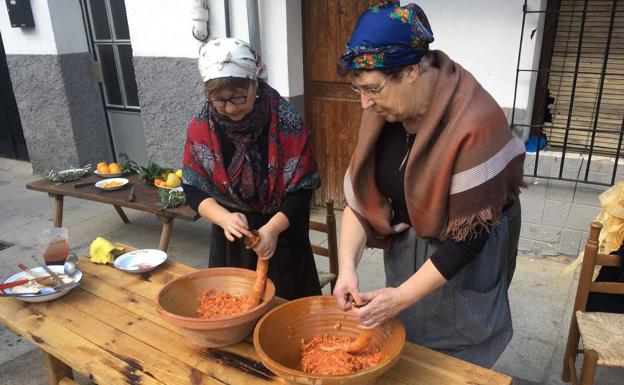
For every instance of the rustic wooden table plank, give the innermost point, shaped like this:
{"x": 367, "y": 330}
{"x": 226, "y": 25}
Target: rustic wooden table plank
{"x": 66, "y": 344}
{"x": 116, "y": 335}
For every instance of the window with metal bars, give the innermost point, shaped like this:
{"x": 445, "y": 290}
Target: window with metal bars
{"x": 579, "y": 93}
{"x": 111, "y": 40}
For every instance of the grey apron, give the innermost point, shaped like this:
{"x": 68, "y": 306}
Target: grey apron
{"x": 469, "y": 317}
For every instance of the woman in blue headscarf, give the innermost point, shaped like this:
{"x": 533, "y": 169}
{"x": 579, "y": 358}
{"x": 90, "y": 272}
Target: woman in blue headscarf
{"x": 434, "y": 181}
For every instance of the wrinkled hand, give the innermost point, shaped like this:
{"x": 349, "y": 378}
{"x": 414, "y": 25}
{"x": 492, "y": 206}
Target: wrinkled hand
{"x": 383, "y": 304}
{"x": 346, "y": 289}
{"x": 235, "y": 226}
{"x": 268, "y": 242}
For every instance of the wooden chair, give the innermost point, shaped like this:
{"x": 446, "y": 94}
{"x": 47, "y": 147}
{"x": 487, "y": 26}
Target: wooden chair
{"x": 331, "y": 251}
{"x": 602, "y": 333}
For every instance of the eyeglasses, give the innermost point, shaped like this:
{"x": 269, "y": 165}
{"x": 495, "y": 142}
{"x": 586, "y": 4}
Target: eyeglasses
{"x": 236, "y": 100}
{"x": 372, "y": 91}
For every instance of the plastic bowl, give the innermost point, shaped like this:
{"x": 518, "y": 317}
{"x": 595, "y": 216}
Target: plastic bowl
{"x": 277, "y": 340}
{"x": 176, "y": 303}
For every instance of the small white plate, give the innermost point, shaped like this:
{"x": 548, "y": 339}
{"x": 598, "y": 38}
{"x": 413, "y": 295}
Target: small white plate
{"x": 103, "y": 182}
{"x": 140, "y": 261}
{"x": 46, "y": 294}
{"x": 96, "y": 172}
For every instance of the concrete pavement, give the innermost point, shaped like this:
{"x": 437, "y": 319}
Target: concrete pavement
{"x": 541, "y": 296}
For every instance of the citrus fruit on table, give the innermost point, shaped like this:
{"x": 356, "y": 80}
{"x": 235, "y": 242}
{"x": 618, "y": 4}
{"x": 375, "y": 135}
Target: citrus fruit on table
{"x": 114, "y": 168}
{"x": 173, "y": 180}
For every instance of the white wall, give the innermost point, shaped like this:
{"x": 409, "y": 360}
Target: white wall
{"x": 484, "y": 36}
{"x": 165, "y": 31}
{"x": 32, "y": 41}
{"x": 59, "y": 29}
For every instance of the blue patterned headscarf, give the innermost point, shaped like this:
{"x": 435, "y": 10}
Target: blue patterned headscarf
{"x": 388, "y": 36}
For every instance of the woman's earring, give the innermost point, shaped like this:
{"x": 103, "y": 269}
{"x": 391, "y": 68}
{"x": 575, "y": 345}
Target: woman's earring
{"x": 257, "y": 96}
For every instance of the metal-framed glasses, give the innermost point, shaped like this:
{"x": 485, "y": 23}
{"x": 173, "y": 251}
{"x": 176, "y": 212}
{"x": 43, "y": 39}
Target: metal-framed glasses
{"x": 236, "y": 100}
{"x": 372, "y": 91}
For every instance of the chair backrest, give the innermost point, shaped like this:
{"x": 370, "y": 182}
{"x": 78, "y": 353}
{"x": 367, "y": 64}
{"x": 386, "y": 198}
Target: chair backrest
{"x": 591, "y": 259}
{"x": 329, "y": 228}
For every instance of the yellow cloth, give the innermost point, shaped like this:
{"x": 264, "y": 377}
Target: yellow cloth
{"x": 102, "y": 251}
{"x": 612, "y": 218}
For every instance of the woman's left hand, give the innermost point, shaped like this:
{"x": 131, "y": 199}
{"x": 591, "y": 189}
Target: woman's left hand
{"x": 383, "y": 304}
{"x": 268, "y": 242}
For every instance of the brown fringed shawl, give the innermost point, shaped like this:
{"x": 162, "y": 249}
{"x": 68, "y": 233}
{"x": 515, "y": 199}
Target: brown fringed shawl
{"x": 463, "y": 168}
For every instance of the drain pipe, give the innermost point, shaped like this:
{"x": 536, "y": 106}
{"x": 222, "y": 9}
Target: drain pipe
{"x": 200, "y": 15}
{"x": 226, "y": 9}
{"x": 253, "y": 24}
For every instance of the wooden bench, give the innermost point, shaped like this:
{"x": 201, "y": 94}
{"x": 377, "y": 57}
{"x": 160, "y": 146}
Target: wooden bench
{"x": 145, "y": 199}
{"x": 108, "y": 330}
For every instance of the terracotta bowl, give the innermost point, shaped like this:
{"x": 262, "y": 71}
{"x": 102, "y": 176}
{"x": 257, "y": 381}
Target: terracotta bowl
{"x": 176, "y": 303}
{"x": 277, "y": 339}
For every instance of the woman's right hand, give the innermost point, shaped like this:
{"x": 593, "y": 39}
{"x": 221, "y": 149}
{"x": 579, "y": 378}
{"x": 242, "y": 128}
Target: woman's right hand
{"x": 346, "y": 289}
{"x": 235, "y": 226}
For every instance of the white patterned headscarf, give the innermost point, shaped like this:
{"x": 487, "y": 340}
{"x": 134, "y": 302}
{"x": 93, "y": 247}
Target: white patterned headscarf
{"x": 229, "y": 57}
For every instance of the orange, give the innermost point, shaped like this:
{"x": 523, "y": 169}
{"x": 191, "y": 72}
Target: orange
{"x": 158, "y": 182}
{"x": 104, "y": 170}
{"x": 102, "y": 166}
{"x": 114, "y": 168}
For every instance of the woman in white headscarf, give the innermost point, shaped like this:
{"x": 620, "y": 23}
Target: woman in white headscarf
{"x": 248, "y": 164}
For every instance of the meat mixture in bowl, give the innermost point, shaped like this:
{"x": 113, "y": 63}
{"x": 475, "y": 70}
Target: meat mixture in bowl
{"x": 325, "y": 355}
{"x": 213, "y": 305}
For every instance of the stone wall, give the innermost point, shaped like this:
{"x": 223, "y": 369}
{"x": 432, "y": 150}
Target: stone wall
{"x": 60, "y": 109}
{"x": 556, "y": 214}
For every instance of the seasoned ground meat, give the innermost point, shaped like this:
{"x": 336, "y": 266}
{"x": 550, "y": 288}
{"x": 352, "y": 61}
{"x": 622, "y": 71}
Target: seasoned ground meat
{"x": 335, "y": 362}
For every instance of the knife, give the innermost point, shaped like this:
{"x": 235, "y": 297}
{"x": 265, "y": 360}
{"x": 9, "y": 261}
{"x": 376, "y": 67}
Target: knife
{"x": 14, "y": 283}
{"x": 54, "y": 276}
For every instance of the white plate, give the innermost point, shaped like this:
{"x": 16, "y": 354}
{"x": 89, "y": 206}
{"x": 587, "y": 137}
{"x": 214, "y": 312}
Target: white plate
{"x": 46, "y": 294}
{"x": 96, "y": 172}
{"x": 104, "y": 181}
{"x": 140, "y": 261}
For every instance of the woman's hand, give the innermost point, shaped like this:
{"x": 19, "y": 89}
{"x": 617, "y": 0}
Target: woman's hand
{"x": 346, "y": 289}
{"x": 235, "y": 226}
{"x": 268, "y": 242}
{"x": 382, "y": 305}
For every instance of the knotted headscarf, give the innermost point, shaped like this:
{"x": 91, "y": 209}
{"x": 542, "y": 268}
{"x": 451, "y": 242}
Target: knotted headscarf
{"x": 388, "y": 36}
{"x": 229, "y": 57}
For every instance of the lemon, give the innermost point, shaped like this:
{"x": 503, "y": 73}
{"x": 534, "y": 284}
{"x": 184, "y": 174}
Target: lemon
{"x": 173, "y": 180}
{"x": 179, "y": 173}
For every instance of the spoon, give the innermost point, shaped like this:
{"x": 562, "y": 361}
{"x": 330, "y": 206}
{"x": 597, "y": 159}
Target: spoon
{"x": 69, "y": 267}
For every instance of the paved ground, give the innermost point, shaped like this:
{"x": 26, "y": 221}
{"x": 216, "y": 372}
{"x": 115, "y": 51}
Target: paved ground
{"x": 541, "y": 296}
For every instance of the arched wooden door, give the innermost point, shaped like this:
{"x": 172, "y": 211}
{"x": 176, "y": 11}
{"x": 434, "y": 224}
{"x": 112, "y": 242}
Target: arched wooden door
{"x": 333, "y": 110}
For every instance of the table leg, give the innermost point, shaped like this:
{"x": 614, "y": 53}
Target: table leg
{"x": 56, "y": 369}
{"x": 121, "y": 213}
{"x": 166, "y": 233}
{"x": 58, "y": 210}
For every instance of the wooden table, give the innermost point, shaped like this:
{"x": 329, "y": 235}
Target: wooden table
{"x": 108, "y": 329}
{"x": 146, "y": 200}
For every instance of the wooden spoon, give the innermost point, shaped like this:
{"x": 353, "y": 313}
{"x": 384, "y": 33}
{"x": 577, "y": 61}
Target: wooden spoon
{"x": 358, "y": 345}
{"x": 262, "y": 267}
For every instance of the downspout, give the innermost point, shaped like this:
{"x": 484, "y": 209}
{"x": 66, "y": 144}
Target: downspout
{"x": 226, "y": 8}
{"x": 200, "y": 15}
{"x": 253, "y": 24}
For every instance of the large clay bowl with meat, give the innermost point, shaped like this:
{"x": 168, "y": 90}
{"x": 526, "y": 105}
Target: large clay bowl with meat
{"x": 176, "y": 303}
{"x": 277, "y": 340}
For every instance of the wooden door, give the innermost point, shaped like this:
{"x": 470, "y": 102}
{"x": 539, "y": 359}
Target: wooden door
{"x": 333, "y": 110}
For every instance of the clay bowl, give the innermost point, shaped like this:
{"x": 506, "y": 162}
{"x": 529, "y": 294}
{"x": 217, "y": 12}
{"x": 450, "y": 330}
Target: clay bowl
{"x": 176, "y": 303}
{"x": 277, "y": 339}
